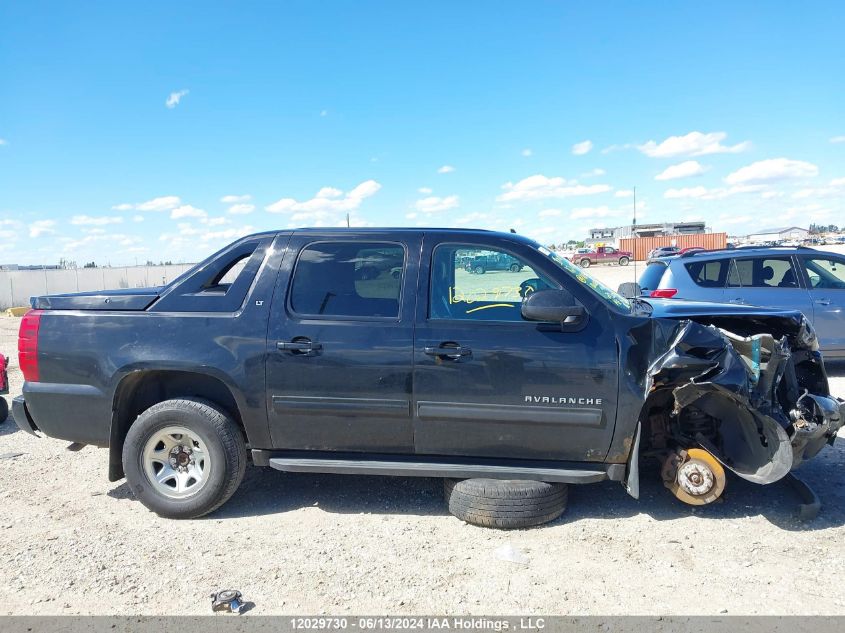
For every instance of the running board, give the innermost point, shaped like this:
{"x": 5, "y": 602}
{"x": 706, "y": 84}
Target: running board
{"x": 439, "y": 468}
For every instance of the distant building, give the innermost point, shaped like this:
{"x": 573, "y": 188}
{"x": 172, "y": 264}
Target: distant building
{"x": 612, "y": 234}
{"x": 14, "y": 267}
{"x": 783, "y": 233}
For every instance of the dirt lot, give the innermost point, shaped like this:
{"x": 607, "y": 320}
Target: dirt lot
{"x": 71, "y": 542}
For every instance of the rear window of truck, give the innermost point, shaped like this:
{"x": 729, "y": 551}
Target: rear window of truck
{"x": 348, "y": 279}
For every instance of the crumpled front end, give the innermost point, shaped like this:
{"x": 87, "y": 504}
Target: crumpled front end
{"x": 758, "y": 401}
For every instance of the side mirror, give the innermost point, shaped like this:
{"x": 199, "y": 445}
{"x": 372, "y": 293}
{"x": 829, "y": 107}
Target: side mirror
{"x": 630, "y": 290}
{"x": 552, "y": 305}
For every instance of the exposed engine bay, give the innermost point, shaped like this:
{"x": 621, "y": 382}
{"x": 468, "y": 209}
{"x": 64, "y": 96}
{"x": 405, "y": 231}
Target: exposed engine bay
{"x": 749, "y": 395}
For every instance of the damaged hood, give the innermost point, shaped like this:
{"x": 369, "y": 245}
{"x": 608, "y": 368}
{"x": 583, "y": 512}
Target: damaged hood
{"x": 736, "y": 366}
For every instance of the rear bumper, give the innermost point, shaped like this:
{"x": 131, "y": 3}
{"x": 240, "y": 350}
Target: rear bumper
{"x": 22, "y": 417}
{"x": 76, "y": 413}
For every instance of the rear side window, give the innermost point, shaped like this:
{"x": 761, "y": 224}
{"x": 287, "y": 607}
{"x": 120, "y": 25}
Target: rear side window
{"x": 653, "y": 273}
{"x": 348, "y": 279}
{"x": 712, "y": 274}
{"x": 763, "y": 272}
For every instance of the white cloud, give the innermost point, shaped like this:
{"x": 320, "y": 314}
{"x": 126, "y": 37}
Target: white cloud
{"x": 226, "y": 234}
{"x": 241, "y": 209}
{"x": 835, "y": 189}
{"x": 616, "y": 148}
{"x": 232, "y": 199}
{"x": 3, "y": 141}
{"x": 96, "y": 236}
{"x": 187, "y": 211}
{"x": 682, "y": 170}
{"x": 837, "y": 139}
{"x": 41, "y": 227}
{"x": 598, "y": 171}
{"x": 219, "y": 221}
{"x": 539, "y": 187}
{"x": 174, "y": 98}
{"x": 163, "y": 203}
{"x": 526, "y": 152}
{"x": 329, "y": 192}
{"x": 772, "y": 170}
{"x": 686, "y": 192}
{"x": 692, "y": 144}
{"x": 445, "y": 169}
{"x": 550, "y": 213}
{"x": 584, "y": 147}
{"x": 137, "y": 218}
{"x": 87, "y": 220}
{"x": 624, "y": 193}
{"x": 327, "y": 208}
{"x": 433, "y": 204}
{"x": 734, "y": 219}
{"x": 594, "y": 212}
{"x": 425, "y": 190}
{"x": 717, "y": 193}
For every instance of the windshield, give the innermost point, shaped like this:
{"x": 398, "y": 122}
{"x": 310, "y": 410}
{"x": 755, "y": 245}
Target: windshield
{"x": 588, "y": 280}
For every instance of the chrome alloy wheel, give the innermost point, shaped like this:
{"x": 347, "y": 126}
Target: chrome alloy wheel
{"x": 176, "y": 462}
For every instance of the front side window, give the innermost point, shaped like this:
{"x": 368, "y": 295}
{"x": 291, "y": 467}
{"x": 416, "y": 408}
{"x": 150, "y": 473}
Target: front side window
{"x": 763, "y": 272}
{"x": 348, "y": 279}
{"x": 825, "y": 273}
{"x": 475, "y": 283}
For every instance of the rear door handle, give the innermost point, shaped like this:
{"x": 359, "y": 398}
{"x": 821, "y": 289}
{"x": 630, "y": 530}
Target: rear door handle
{"x": 301, "y": 346}
{"x": 452, "y": 351}
{"x": 736, "y": 300}
{"x": 823, "y": 302}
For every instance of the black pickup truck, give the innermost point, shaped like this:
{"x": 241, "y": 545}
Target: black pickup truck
{"x": 305, "y": 351}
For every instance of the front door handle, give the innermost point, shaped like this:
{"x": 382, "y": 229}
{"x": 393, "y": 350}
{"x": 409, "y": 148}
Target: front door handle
{"x": 736, "y": 300}
{"x": 452, "y": 351}
{"x": 823, "y": 302}
{"x": 299, "y": 346}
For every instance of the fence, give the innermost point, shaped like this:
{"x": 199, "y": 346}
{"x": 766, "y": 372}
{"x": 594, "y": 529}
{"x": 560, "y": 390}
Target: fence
{"x": 641, "y": 246}
{"x": 17, "y": 286}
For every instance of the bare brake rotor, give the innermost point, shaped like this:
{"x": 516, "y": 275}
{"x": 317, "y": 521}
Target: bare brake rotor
{"x": 694, "y": 476}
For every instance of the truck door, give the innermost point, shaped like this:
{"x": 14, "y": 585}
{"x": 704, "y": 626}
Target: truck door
{"x": 340, "y": 343}
{"x": 489, "y": 384}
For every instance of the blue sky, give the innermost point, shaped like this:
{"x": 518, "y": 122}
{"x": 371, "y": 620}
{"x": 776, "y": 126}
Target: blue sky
{"x": 164, "y": 130}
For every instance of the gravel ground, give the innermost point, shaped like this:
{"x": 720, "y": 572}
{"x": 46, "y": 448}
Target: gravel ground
{"x": 71, "y": 542}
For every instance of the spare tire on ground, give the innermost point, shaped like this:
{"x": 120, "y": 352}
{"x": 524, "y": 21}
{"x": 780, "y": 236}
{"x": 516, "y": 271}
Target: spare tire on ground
{"x": 505, "y": 503}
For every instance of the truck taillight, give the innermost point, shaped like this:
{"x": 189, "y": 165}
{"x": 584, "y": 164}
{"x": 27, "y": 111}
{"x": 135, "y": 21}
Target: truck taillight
{"x": 664, "y": 293}
{"x": 28, "y": 345}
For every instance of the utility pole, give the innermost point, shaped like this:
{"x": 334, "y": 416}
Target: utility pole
{"x": 347, "y": 221}
{"x": 634, "y": 235}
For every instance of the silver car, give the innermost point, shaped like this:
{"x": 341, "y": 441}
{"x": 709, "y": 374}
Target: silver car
{"x": 802, "y": 279}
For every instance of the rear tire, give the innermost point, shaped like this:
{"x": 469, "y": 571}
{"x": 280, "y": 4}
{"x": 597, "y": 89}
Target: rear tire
{"x": 185, "y": 424}
{"x": 515, "y": 268}
{"x": 623, "y": 261}
{"x": 4, "y": 409}
{"x": 505, "y": 504}
{"x": 585, "y": 263}
{"x": 479, "y": 270}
